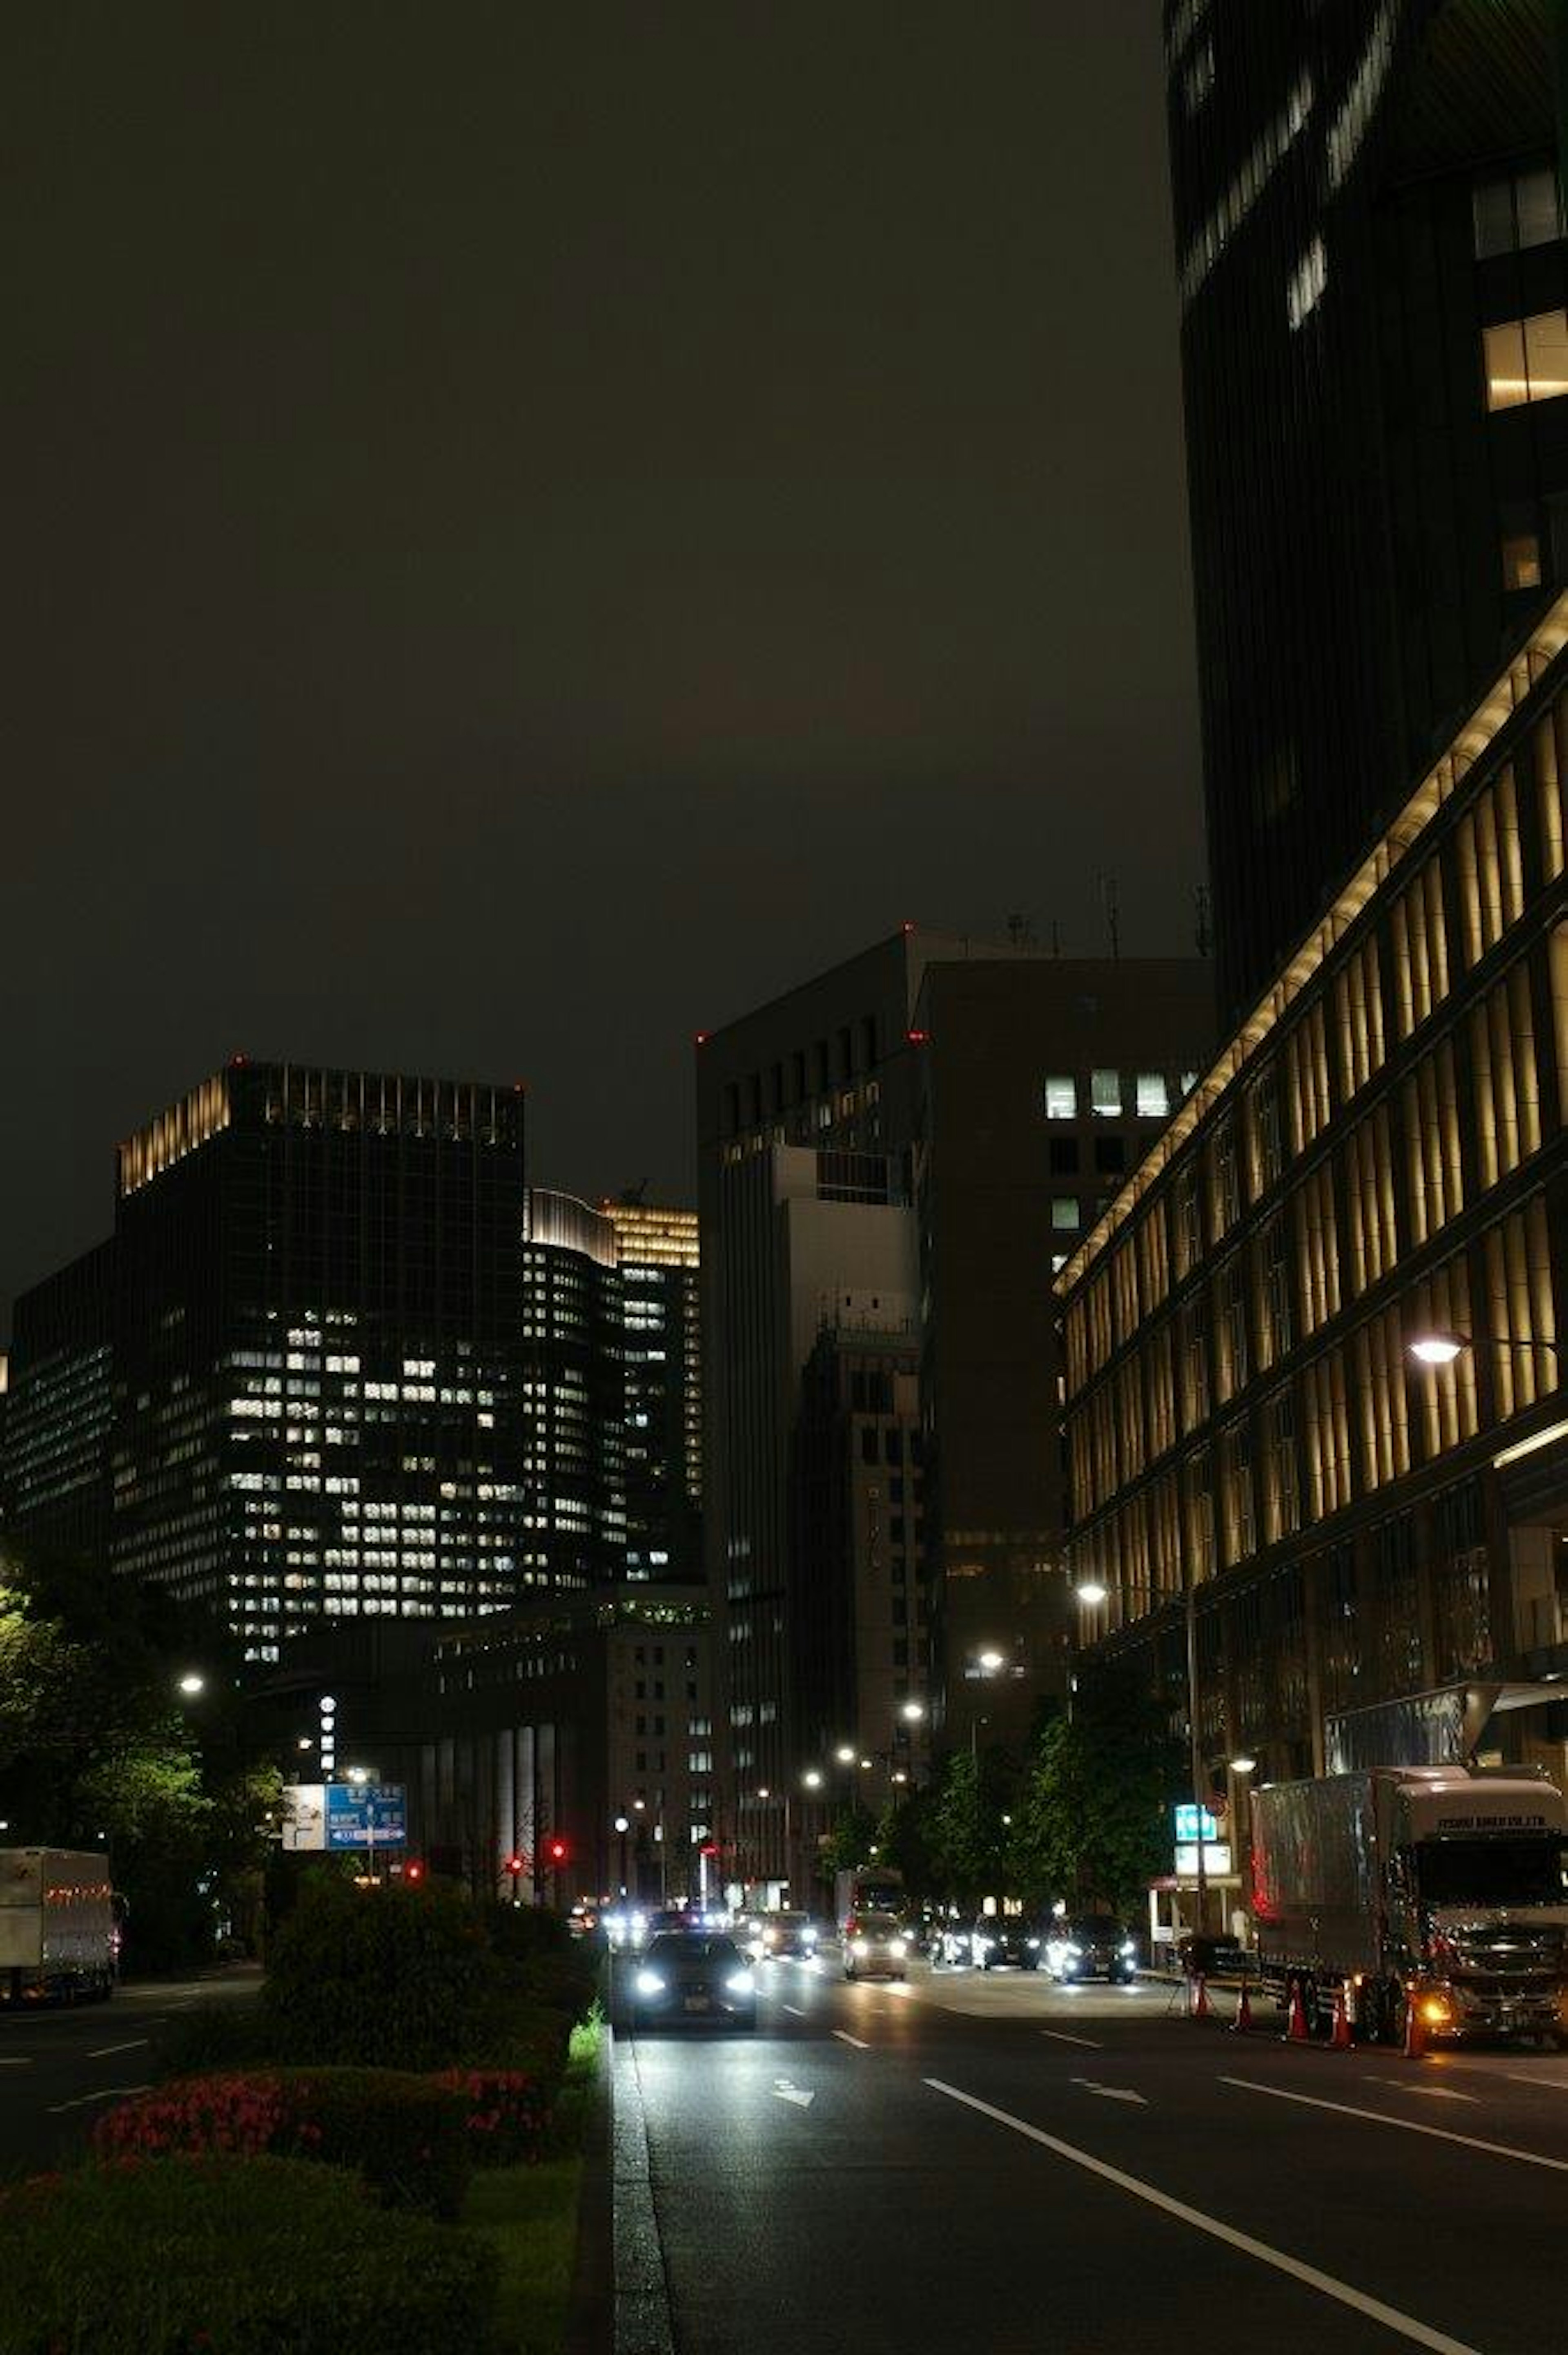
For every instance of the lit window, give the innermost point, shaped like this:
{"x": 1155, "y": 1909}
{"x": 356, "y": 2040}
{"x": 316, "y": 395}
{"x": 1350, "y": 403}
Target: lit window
{"x": 1521, "y": 560}
{"x": 1153, "y": 1096}
{"x": 1105, "y": 1094}
{"x": 1308, "y": 281}
{"x": 1061, "y": 1099}
{"x": 1527, "y": 359}
{"x": 1065, "y": 1210}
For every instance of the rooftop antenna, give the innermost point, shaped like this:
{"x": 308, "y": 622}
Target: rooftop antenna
{"x": 1020, "y": 932}
{"x": 1055, "y": 938}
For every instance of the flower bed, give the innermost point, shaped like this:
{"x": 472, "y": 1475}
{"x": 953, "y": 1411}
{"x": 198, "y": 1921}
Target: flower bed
{"x": 506, "y": 2115}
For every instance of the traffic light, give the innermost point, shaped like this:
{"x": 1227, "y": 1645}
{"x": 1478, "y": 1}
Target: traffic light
{"x": 556, "y": 1852}
{"x": 514, "y": 1866}
{"x": 413, "y": 1870}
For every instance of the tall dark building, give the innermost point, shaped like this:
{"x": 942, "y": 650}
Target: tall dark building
{"x": 573, "y": 1400}
{"x": 54, "y": 1463}
{"x": 1375, "y": 358}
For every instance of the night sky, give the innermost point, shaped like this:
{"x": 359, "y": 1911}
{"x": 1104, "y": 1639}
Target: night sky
{"x": 529, "y": 531}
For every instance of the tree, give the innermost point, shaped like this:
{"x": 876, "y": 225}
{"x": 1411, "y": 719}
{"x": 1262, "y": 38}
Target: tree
{"x": 91, "y": 1749}
{"x": 849, "y": 1842}
{"x": 1094, "y": 1821}
{"x": 971, "y": 1842}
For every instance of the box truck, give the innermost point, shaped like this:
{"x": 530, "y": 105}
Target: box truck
{"x": 1438, "y": 1887}
{"x": 58, "y": 1924}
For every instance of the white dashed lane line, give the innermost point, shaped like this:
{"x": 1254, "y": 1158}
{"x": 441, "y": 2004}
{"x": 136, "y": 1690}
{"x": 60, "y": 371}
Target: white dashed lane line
{"x": 845, "y": 2037}
{"x": 104, "y": 2051}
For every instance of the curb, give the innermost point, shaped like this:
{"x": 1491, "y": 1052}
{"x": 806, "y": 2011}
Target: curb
{"x": 590, "y": 2308}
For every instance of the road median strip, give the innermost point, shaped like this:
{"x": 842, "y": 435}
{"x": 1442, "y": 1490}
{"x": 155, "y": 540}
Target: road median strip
{"x": 1406, "y": 2326}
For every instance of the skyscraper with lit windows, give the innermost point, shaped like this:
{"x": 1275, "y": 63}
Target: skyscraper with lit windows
{"x": 657, "y": 1253}
{"x": 1375, "y": 347}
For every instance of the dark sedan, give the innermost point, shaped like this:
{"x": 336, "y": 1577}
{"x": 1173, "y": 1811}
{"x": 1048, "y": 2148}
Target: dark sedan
{"x": 693, "y": 1976}
{"x": 1094, "y": 1946}
{"x": 1008, "y": 1938}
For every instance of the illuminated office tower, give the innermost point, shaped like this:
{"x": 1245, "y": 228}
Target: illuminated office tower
{"x": 658, "y": 1257}
{"x": 1375, "y": 351}
{"x": 573, "y": 1393}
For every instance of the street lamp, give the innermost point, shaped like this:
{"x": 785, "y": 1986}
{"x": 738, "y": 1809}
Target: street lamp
{"x": 912, "y": 1711}
{"x": 622, "y": 1825}
{"x": 988, "y": 1663}
{"x": 1442, "y": 1348}
{"x": 1091, "y": 1593}
{"x": 191, "y": 1684}
{"x": 813, "y": 1778}
{"x": 844, "y": 1753}
{"x": 1243, "y": 1764}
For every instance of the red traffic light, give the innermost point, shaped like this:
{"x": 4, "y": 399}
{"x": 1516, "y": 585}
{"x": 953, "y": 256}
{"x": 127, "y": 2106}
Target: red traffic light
{"x": 413, "y": 1870}
{"x": 710, "y": 1848}
{"x": 556, "y": 1852}
{"x": 514, "y": 1864}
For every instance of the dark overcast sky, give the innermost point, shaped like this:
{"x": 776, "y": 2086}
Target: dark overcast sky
{"x": 527, "y": 531}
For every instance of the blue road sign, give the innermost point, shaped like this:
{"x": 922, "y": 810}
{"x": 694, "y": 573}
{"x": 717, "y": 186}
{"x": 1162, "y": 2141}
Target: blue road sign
{"x": 359, "y": 1814}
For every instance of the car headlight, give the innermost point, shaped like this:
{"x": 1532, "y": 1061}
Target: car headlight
{"x": 1127, "y": 1948}
{"x": 740, "y": 1983}
{"x": 649, "y": 1983}
{"x": 1074, "y": 1953}
{"x": 1032, "y": 1942}
{"x": 771, "y": 1937}
{"x": 859, "y": 1946}
{"x": 985, "y": 1945}
{"x": 807, "y": 1937}
{"x": 639, "y": 1924}
{"x": 897, "y": 1949}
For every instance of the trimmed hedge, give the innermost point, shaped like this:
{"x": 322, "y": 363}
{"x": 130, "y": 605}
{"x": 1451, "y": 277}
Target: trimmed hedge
{"x": 232, "y": 2256}
{"x": 215, "y": 2035}
{"x": 507, "y": 2114}
{"x": 407, "y": 2137}
{"x": 398, "y": 1978}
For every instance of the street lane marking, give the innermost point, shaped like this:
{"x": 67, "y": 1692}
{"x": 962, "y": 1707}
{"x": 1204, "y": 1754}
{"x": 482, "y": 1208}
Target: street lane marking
{"x": 20, "y": 2061}
{"x": 1406, "y": 2325}
{"x": 796, "y": 2009}
{"x": 1110, "y": 2093}
{"x": 104, "y": 2051}
{"x": 845, "y": 2037}
{"x": 1432, "y": 2092}
{"x": 1551, "y": 2085}
{"x": 786, "y": 2092}
{"x": 106, "y": 2094}
{"x": 1405, "y": 2126}
{"x": 1062, "y": 2037}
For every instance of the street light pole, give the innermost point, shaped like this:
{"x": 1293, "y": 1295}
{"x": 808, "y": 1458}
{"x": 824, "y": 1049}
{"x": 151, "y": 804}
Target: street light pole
{"x": 1197, "y": 1741}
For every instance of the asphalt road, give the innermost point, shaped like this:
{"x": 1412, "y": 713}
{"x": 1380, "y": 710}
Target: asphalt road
{"x": 997, "y": 2164}
{"x": 59, "y": 2065}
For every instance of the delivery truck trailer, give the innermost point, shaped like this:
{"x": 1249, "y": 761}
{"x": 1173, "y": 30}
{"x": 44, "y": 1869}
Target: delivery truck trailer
{"x": 58, "y": 1927}
{"x": 1437, "y": 1887}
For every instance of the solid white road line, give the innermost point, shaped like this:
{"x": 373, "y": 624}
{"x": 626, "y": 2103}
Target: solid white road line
{"x": 1403, "y": 2125}
{"x": 104, "y": 2051}
{"x": 1548, "y": 2085}
{"x": 845, "y": 2037}
{"x": 106, "y": 2094}
{"x": 796, "y": 2009}
{"x": 1062, "y": 2037}
{"x": 1406, "y": 2325}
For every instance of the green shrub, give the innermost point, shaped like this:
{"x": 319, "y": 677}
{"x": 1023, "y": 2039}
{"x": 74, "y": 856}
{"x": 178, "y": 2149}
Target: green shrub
{"x": 236, "y": 2034}
{"x": 233, "y": 2256}
{"x": 407, "y": 2137}
{"x": 400, "y": 1977}
{"x": 506, "y": 2115}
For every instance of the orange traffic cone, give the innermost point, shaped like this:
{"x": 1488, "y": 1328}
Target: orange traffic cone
{"x": 1413, "y": 2040}
{"x": 1297, "y": 2031}
{"x": 1243, "y": 2019}
{"x": 1200, "y": 2009}
{"x": 1340, "y": 2041}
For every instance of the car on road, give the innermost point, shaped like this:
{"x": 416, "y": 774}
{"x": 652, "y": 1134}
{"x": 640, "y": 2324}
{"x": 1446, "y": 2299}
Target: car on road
{"x": 1008, "y": 1939}
{"x": 1092, "y": 1946}
{"x": 877, "y": 1945}
{"x": 953, "y": 1942}
{"x": 690, "y": 1976}
{"x": 765, "y": 1936}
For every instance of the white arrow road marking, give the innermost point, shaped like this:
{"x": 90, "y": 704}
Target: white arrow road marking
{"x": 108, "y": 2093}
{"x": 104, "y": 2051}
{"x": 1404, "y": 2126}
{"x": 1111, "y": 2092}
{"x": 1345, "y": 2293}
{"x": 845, "y": 2037}
{"x": 1060, "y": 2036}
{"x": 786, "y": 2092}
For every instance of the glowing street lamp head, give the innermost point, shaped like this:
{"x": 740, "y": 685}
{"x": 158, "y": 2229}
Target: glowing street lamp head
{"x": 1437, "y": 1348}
{"x": 913, "y": 1710}
{"x": 191, "y": 1684}
{"x": 1091, "y": 1593}
{"x": 1243, "y": 1764}
{"x": 813, "y": 1778}
{"x": 844, "y": 1753}
{"x": 990, "y": 1662}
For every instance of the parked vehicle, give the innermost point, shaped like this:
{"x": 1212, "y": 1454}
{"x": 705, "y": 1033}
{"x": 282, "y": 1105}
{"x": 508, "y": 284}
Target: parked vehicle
{"x": 868, "y": 1889}
{"x": 1441, "y": 1887}
{"x": 875, "y": 1948}
{"x": 1091, "y": 1947}
{"x": 59, "y": 1925}
{"x": 694, "y": 1976}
